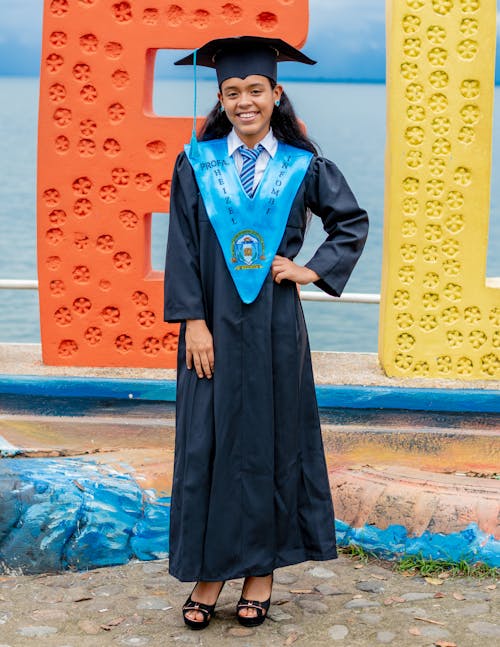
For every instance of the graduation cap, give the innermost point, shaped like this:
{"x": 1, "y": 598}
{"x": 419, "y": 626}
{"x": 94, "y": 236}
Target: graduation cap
{"x": 245, "y": 55}
{"x": 240, "y": 57}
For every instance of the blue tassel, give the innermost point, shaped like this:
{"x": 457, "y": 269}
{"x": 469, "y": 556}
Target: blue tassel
{"x": 194, "y": 151}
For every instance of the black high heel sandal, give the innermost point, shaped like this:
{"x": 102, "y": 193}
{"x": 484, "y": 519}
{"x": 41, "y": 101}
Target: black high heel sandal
{"x": 207, "y": 610}
{"x": 261, "y": 609}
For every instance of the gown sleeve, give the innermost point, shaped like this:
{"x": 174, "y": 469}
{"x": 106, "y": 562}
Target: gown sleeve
{"x": 183, "y": 297}
{"x": 328, "y": 196}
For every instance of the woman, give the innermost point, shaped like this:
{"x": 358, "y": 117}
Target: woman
{"x": 250, "y": 487}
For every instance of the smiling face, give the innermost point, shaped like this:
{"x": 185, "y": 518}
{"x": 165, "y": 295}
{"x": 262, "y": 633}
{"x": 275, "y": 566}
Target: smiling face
{"x": 249, "y": 105}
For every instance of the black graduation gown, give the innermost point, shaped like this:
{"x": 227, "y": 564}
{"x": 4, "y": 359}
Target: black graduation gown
{"x": 250, "y": 487}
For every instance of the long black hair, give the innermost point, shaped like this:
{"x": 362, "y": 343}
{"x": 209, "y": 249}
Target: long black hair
{"x": 284, "y": 122}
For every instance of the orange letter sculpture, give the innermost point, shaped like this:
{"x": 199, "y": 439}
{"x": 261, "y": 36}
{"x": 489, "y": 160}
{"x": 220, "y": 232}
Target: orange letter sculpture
{"x": 105, "y": 162}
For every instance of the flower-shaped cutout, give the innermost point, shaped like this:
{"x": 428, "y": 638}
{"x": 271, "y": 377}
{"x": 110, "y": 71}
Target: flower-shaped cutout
{"x": 437, "y": 56}
{"x": 57, "y": 217}
{"x": 93, "y": 335}
{"x": 409, "y": 71}
{"x": 124, "y": 343}
{"x": 105, "y": 243}
{"x": 116, "y": 113}
{"x": 53, "y": 63}
{"x": 143, "y": 181}
{"x": 412, "y": 47}
{"x": 470, "y": 88}
{"x": 57, "y": 288}
{"x": 81, "y": 241}
{"x": 455, "y": 200}
{"x": 409, "y": 252}
{"x": 122, "y": 261}
{"x": 122, "y": 11}
{"x": 455, "y": 223}
{"x": 466, "y": 135}
{"x": 490, "y": 365}
{"x": 494, "y": 316}
{"x": 62, "y": 117}
{"x": 404, "y": 320}
{"x": 111, "y": 147}
{"x": 128, "y": 218}
{"x": 170, "y": 341}
{"x": 146, "y": 318}
{"x": 407, "y": 274}
{"x": 450, "y": 315}
{"x": 82, "y": 208}
{"x": 472, "y": 314}
{"x": 438, "y": 102}
{"x": 436, "y": 34}
{"x": 88, "y": 127}
{"x": 414, "y": 92}
{"x": 58, "y": 39}
{"x": 467, "y": 49}
{"x": 421, "y": 368}
{"x": 120, "y": 176}
{"x": 67, "y": 348}
{"x": 444, "y": 364}
{"x": 120, "y": 79}
{"x": 401, "y": 298}
{"x": 477, "y": 338}
{"x": 88, "y": 94}
{"x": 430, "y": 300}
{"x": 57, "y": 93}
{"x": 439, "y": 79}
{"x": 441, "y": 146}
{"x": 428, "y": 323}
{"x": 409, "y": 228}
{"x": 414, "y": 135}
{"x": 81, "y": 305}
{"x": 437, "y": 166}
{"x": 410, "y": 184}
{"x": 469, "y": 26}
{"x": 416, "y": 113}
{"x": 411, "y": 24}
{"x": 470, "y": 114}
{"x": 464, "y": 366}
{"x": 433, "y": 209}
{"x": 140, "y": 298}
{"x": 86, "y": 147}
{"x": 442, "y": 7}
{"x": 82, "y": 186}
{"x": 433, "y": 233}
{"x": 81, "y": 72}
{"x": 431, "y": 280}
{"x": 89, "y": 43}
{"x": 451, "y": 247}
{"x": 430, "y": 254}
{"x": 441, "y": 125}
{"x": 470, "y": 6}
{"x": 54, "y": 236}
{"x": 110, "y": 315}
{"x": 455, "y": 338}
{"x": 496, "y": 339}
{"x": 414, "y": 159}
{"x": 81, "y": 274}
{"x": 151, "y": 346}
{"x": 453, "y": 292}
{"x": 452, "y": 267}
{"x": 403, "y": 361}
{"x": 108, "y": 193}
{"x": 405, "y": 341}
{"x": 434, "y": 187}
{"x": 410, "y": 206}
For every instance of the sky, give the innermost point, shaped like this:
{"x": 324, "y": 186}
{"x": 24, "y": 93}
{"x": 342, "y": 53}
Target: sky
{"x": 347, "y": 37}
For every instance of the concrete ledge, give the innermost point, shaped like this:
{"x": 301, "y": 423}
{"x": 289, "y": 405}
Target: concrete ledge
{"x": 329, "y": 396}
{"x": 360, "y": 369}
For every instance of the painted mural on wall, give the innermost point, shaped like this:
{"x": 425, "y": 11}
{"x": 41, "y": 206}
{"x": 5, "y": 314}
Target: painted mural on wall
{"x": 78, "y": 514}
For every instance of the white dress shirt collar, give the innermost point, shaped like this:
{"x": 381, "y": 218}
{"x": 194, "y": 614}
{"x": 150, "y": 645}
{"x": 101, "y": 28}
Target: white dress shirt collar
{"x": 269, "y": 142}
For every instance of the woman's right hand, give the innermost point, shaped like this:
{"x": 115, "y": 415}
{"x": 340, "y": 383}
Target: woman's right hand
{"x": 199, "y": 348}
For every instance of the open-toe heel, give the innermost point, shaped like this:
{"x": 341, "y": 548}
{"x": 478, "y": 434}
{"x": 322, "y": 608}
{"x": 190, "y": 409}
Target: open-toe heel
{"x": 261, "y": 609}
{"x": 207, "y": 610}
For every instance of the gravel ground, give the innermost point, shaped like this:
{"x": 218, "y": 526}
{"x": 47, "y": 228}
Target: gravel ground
{"x": 342, "y": 602}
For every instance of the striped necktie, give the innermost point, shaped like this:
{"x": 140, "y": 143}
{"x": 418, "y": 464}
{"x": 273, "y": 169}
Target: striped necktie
{"x": 247, "y": 173}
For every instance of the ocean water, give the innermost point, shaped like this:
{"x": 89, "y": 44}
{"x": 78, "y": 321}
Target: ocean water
{"x": 346, "y": 120}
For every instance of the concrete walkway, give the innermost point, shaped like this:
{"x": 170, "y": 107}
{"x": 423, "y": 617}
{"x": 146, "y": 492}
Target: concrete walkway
{"x": 342, "y": 602}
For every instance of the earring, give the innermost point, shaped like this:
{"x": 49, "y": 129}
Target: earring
{"x": 221, "y": 109}
{"x": 277, "y": 103}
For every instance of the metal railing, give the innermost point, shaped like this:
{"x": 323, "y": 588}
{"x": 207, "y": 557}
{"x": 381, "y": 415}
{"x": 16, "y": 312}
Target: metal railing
{"x": 305, "y": 295}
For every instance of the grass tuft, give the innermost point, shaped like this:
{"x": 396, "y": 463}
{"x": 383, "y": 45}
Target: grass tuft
{"x": 424, "y": 566}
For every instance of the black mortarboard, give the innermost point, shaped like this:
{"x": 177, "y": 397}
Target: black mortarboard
{"x": 240, "y": 57}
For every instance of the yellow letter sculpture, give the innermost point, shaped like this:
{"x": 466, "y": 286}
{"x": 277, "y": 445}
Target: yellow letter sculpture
{"x": 440, "y": 316}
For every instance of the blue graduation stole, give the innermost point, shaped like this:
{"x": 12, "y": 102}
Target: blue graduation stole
{"x": 249, "y": 230}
